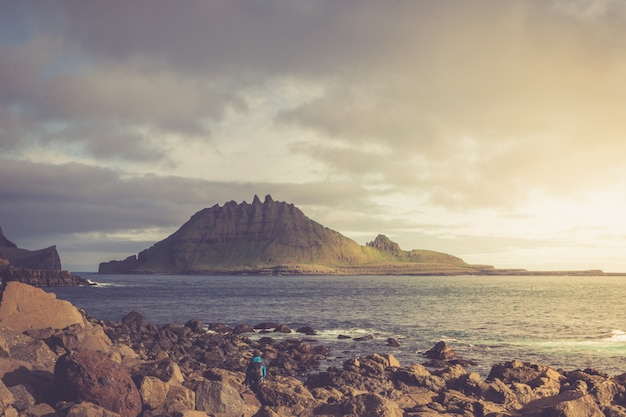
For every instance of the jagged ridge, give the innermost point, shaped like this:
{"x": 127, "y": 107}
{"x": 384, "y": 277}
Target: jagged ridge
{"x": 269, "y": 237}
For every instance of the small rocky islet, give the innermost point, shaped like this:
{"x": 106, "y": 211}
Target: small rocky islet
{"x": 56, "y": 360}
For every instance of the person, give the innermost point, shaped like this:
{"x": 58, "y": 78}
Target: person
{"x": 256, "y": 372}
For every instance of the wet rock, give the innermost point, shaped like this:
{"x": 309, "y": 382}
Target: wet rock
{"x": 282, "y": 328}
{"x": 243, "y": 328}
{"x": 266, "y": 326}
{"x": 307, "y": 330}
{"x": 392, "y": 342}
{"x": 87, "y": 375}
{"x": 195, "y": 325}
{"x": 441, "y": 351}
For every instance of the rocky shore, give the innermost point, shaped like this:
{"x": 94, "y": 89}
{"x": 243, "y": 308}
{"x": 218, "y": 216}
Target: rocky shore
{"x": 55, "y": 360}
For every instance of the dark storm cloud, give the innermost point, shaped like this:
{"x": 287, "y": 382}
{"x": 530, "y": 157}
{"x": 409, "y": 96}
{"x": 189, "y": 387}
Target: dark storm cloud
{"x": 40, "y": 199}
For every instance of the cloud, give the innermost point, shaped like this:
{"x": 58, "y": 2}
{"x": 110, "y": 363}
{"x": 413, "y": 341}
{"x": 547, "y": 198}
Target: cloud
{"x": 119, "y": 115}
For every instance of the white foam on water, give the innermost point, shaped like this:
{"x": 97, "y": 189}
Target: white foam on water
{"x": 617, "y": 336}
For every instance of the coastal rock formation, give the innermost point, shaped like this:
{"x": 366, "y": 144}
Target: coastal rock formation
{"x": 40, "y": 268}
{"x": 41, "y": 277}
{"x": 150, "y": 370}
{"x": 47, "y": 258}
{"x": 272, "y": 237}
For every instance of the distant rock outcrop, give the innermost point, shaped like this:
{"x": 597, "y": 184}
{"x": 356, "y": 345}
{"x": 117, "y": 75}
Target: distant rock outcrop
{"x": 47, "y": 258}
{"x": 272, "y": 237}
{"x": 40, "y": 268}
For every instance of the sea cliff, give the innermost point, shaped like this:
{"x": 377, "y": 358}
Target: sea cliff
{"x": 41, "y": 268}
{"x": 55, "y": 360}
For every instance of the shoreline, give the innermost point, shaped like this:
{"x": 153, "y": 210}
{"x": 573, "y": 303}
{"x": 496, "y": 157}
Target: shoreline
{"x": 187, "y": 362}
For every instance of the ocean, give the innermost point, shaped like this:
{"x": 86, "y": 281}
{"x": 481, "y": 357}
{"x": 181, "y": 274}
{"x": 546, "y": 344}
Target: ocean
{"x": 564, "y": 322}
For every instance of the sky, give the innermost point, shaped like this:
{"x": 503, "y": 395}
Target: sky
{"x": 490, "y": 130}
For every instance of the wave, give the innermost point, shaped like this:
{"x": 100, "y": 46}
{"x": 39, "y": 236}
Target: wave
{"x": 617, "y": 336}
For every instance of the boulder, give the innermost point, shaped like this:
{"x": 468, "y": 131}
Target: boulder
{"x": 441, "y": 351}
{"x": 134, "y": 321}
{"x": 178, "y": 400}
{"x": 243, "y": 328}
{"x": 282, "y": 328}
{"x": 391, "y": 342}
{"x": 35, "y": 352}
{"x": 153, "y": 392}
{"x": 307, "y": 330}
{"x": 39, "y": 410}
{"x": 286, "y": 392}
{"x": 87, "y": 375}
{"x": 81, "y": 337}
{"x": 195, "y": 325}
{"x": 24, "y": 307}
{"x": 217, "y": 398}
{"x": 570, "y": 403}
{"x": 23, "y": 396}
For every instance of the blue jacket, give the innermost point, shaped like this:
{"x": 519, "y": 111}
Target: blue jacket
{"x": 257, "y": 359}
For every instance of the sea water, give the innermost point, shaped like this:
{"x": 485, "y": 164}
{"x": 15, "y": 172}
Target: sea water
{"x": 564, "y": 322}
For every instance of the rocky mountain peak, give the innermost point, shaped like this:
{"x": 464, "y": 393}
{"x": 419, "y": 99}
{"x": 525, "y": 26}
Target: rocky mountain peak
{"x": 384, "y": 244}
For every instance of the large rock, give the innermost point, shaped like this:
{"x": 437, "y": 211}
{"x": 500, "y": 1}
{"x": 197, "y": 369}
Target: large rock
{"x": 441, "y": 351}
{"x": 286, "y": 392}
{"x": 87, "y": 375}
{"x": 153, "y": 392}
{"x": 217, "y": 398}
{"x": 24, "y": 307}
{"x": 567, "y": 404}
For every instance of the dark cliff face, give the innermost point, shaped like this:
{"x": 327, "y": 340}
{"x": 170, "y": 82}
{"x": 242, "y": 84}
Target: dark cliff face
{"x": 234, "y": 236}
{"x": 47, "y": 258}
{"x": 4, "y": 242}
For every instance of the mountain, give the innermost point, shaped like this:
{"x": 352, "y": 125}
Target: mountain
{"x": 272, "y": 237}
{"x": 47, "y": 258}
